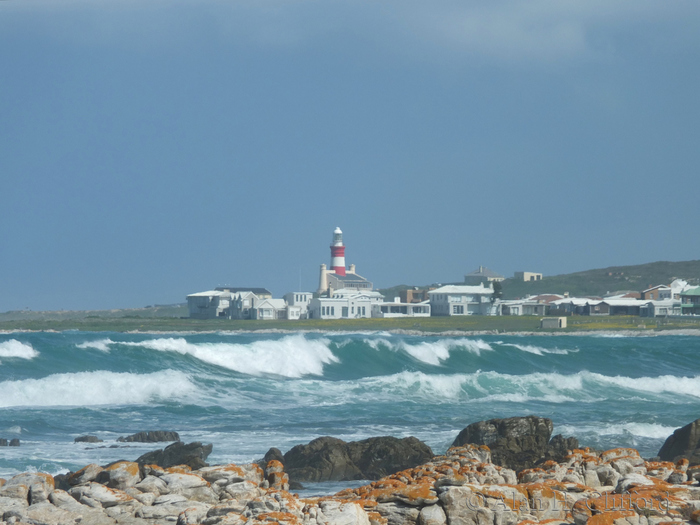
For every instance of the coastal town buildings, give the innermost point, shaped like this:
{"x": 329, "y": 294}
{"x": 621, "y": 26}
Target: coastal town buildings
{"x": 344, "y": 294}
{"x": 482, "y": 275}
{"x": 462, "y": 300}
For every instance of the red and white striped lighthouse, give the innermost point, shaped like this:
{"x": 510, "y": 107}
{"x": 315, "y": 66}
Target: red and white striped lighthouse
{"x": 338, "y": 253}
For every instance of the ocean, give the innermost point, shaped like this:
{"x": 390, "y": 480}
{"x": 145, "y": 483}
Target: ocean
{"x": 247, "y": 392}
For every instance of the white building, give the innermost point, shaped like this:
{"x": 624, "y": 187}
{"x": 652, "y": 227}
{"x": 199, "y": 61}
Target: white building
{"x": 269, "y": 309}
{"x": 462, "y": 300}
{"x": 298, "y": 303}
{"x": 344, "y": 304}
{"x": 209, "y": 305}
{"x": 399, "y": 309}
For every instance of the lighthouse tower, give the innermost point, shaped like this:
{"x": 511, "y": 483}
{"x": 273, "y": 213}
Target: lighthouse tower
{"x": 338, "y": 253}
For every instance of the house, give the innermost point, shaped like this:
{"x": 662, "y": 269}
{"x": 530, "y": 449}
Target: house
{"x": 527, "y": 276}
{"x": 462, "y": 300}
{"x": 269, "y": 309}
{"x": 690, "y": 301}
{"x": 661, "y": 308}
{"x": 482, "y": 275}
{"x": 212, "y": 304}
{"x": 657, "y": 293}
{"x": 401, "y": 309}
{"x": 243, "y": 304}
{"x": 345, "y": 303}
{"x": 298, "y": 303}
{"x": 523, "y": 307}
{"x": 553, "y": 322}
{"x": 262, "y": 293}
{"x": 414, "y": 295}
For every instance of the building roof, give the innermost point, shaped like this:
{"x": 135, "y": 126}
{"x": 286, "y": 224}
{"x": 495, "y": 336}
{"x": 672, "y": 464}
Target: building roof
{"x": 210, "y": 293}
{"x": 483, "y": 271}
{"x": 656, "y": 287}
{"x": 256, "y": 291}
{"x": 692, "y": 291}
{"x": 349, "y": 277}
{"x": 456, "y": 288}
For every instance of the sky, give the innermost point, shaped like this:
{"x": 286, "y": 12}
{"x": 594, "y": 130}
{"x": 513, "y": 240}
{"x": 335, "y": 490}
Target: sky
{"x": 149, "y": 150}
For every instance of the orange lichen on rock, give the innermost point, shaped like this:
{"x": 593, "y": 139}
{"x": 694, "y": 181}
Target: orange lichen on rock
{"x": 376, "y": 519}
{"x": 178, "y": 469}
{"x": 609, "y": 518}
{"x": 280, "y": 517}
{"x": 129, "y": 466}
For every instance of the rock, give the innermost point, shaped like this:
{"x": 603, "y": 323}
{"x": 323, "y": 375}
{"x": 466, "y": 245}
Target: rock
{"x": 518, "y": 443}
{"x": 380, "y": 456}
{"x": 87, "y": 439}
{"x": 684, "y": 442}
{"x": 14, "y": 442}
{"x": 87, "y": 473}
{"x": 106, "y": 497}
{"x": 3, "y": 442}
{"x": 331, "y": 459}
{"x": 191, "y": 454}
{"x": 151, "y": 436}
{"x": 274, "y": 454}
{"x": 323, "y": 459}
{"x": 120, "y": 475}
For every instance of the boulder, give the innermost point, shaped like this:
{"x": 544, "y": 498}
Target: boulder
{"x": 331, "y": 459}
{"x": 323, "y": 459}
{"x": 518, "y": 443}
{"x": 380, "y": 456}
{"x": 191, "y": 454}
{"x": 87, "y": 439}
{"x": 683, "y": 443}
{"x": 14, "y": 442}
{"x": 151, "y": 436}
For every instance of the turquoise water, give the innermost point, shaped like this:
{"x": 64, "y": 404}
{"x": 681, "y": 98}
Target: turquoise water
{"x": 248, "y": 392}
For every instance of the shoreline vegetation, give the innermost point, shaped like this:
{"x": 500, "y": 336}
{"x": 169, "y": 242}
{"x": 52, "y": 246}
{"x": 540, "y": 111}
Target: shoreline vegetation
{"x": 629, "y": 325}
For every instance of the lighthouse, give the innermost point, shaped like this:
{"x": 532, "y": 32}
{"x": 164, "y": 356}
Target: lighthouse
{"x": 338, "y": 252}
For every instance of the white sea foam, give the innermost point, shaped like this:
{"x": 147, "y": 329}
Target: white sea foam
{"x": 644, "y": 430}
{"x": 539, "y": 350}
{"x": 96, "y": 388}
{"x": 290, "y": 356}
{"x": 16, "y": 349}
{"x": 432, "y": 352}
{"x": 101, "y": 344}
{"x": 686, "y": 386}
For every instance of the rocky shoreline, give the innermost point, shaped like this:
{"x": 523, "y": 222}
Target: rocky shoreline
{"x": 512, "y": 472}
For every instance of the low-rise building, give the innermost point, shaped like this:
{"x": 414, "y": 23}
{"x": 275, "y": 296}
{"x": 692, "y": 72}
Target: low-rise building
{"x": 212, "y": 304}
{"x": 482, "y": 275}
{"x": 298, "y": 303}
{"x": 657, "y": 293}
{"x": 401, "y": 309}
{"x": 527, "y": 276}
{"x": 690, "y": 301}
{"x": 345, "y": 303}
{"x": 462, "y": 300}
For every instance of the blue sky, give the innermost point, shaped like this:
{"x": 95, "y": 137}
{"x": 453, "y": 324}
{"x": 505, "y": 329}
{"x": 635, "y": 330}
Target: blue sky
{"x": 153, "y": 149}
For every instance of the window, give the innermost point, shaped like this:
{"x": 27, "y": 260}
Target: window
{"x": 332, "y": 310}
{"x": 345, "y": 311}
{"x": 457, "y": 309}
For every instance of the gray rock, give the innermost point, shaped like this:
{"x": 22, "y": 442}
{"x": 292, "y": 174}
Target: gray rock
{"x": 192, "y": 454}
{"x": 151, "y": 436}
{"x": 87, "y": 439}
{"x": 323, "y": 459}
{"x": 14, "y": 442}
{"x": 518, "y": 442}
{"x": 332, "y": 459}
{"x": 683, "y": 443}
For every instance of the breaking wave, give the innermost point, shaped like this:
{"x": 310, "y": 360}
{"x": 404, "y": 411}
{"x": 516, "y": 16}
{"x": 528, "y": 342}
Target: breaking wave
{"x": 538, "y": 350}
{"x": 96, "y": 388}
{"x": 432, "y": 352}
{"x": 101, "y": 344}
{"x": 292, "y": 356}
{"x": 16, "y": 349}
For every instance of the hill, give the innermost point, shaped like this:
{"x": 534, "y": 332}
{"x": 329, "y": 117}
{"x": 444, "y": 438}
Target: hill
{"x": 170, "y": 310}
{"x": 597, "y": 282}
{"x": 603, "y": 281}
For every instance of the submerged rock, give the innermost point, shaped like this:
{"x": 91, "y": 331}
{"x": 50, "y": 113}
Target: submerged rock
{"x": 151, "y": 436}
{"x": 87, "y": 439}
{"x": 191, "y": 454}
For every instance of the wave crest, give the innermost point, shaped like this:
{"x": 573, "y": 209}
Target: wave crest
{"x": 16, "y": 349}
{"x": 96, "y": 388}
